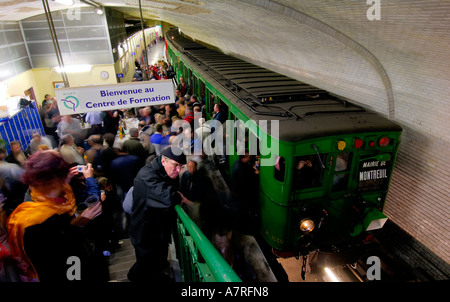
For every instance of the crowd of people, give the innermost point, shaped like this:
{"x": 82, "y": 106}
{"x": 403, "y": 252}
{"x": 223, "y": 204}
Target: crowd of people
{"x": 45, "y": 191}
{"x": 156, "y": 71}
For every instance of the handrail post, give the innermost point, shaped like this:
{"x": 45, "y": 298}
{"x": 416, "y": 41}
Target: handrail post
{"x": 218, "y": 266}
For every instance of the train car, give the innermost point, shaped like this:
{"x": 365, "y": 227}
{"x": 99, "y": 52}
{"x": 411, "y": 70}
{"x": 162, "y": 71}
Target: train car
{"x": 326, "y": 186}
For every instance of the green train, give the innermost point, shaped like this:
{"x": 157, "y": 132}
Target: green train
{"x": 330, "y": 162}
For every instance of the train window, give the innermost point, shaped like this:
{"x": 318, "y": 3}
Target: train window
{"x": 223, "y": 107}
{"x": 309, "y": 171}
{"x": 231, "y": 116}
{"x": 209, "y": 98}
{"x": 342, "y": 168}
{"x": 343, "y": 162}
{"x": 189, "y": 80}
{"x": 212, "y": 101}
{"x": 280, "y": 167}
{"x": 220, "y": 116}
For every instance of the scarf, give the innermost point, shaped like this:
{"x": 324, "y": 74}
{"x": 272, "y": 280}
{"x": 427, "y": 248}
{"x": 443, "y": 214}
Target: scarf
{"x": 31, "y": 213}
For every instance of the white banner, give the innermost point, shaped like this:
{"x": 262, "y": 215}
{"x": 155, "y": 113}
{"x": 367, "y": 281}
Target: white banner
{"x": 117, "y": 96}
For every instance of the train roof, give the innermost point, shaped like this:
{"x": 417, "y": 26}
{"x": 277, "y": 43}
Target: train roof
{"x": 304, "y": 111}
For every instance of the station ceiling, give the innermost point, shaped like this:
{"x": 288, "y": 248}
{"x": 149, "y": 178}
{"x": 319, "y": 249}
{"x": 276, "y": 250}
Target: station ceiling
{"x": 336, "y": 45}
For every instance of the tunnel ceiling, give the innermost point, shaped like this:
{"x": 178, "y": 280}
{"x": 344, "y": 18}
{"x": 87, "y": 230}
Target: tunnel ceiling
{"x": 329, "y": 44}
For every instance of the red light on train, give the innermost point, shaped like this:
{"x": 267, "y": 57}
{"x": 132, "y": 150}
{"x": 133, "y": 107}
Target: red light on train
{"x": 384, "y": 141}
{"x": 358, "y": 143}
{"x": 372, "y": 144}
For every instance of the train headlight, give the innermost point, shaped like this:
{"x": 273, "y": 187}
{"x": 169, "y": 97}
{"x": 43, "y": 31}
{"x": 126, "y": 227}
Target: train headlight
{"x": 306, "y": 225}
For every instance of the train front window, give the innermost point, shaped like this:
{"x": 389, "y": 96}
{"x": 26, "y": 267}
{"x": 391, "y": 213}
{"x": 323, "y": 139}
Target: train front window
{"x": 309, "y": 171}
{"x": 342, "y": 171}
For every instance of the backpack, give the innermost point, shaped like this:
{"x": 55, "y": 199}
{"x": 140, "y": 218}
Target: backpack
{"x": 97, "y": 163}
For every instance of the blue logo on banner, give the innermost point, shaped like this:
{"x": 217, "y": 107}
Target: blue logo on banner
{"x": 71, "y": 102}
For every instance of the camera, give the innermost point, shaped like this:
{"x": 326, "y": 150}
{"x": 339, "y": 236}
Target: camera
{"x": 80, "y": 168}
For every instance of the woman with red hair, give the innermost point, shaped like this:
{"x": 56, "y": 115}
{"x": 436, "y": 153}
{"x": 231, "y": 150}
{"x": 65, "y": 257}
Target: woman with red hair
{"x": 46, "y": 230}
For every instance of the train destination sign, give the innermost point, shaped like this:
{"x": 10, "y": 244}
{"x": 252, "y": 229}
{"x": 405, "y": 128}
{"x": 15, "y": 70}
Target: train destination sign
{"x": 115, "y": 96}
{"x": 373, "y": 174}
{"x": 373, "y": 170}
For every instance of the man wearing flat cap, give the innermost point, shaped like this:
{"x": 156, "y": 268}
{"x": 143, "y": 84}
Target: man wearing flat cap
{"x": 154, "y": 197}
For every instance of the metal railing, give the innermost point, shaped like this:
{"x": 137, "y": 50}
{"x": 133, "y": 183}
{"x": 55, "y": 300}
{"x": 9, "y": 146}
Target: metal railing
{"x": 199, "y": 259}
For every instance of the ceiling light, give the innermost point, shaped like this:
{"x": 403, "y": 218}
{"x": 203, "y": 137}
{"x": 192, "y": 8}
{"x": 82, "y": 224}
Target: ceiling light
{"x": 98, "y": 10}
{"x": 3, "y": 88}
{"x": 74, "y": 68}
{"x": 65, "y": 2}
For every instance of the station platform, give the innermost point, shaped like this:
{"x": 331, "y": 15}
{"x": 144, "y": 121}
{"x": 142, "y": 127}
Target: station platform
{"x": 123, "y": 258}
{"x": 121, "y": 261}
{"x": 156, "y": 53}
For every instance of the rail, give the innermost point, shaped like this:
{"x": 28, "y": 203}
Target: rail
{"x": 199, "y": 259}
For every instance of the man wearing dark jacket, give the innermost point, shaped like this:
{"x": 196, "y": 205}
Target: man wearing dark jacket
{"x": 154, "y": 197}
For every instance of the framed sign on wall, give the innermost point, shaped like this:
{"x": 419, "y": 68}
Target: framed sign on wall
{"x": 58, "y": 85}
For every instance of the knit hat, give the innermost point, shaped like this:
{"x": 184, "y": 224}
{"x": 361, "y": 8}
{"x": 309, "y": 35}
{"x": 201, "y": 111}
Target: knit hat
{"x": 174, "y": 153}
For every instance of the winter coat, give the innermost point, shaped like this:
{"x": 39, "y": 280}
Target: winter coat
{"x": 153, "y": 188}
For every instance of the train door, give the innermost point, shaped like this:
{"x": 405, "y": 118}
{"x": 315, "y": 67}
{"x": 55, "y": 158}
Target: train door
{"x": 177, "y": 65}
{"x": 209, "y": 104}
{"x": 185, "y": 74}
{"x": 195, "y": 88}
{"x": 342, "y": 169}
{"x": 232, "y": 154}
{"x": 341, "y": 194}
{"x": 202, "y": 92}
{"x": 211, "y": 101}
{"x": 189, "y": 80}
{"x": 238, "y": 140}
{"x": 179, "y": 70}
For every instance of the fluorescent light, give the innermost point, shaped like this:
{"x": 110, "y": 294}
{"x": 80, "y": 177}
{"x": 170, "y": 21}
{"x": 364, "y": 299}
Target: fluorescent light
{"x": 74, "y": 68}
{"x": 3, "y": 88}
{"x": 98, "y": 10}
{"x": 65, "y": 2}
{"x": 331, "y": 275}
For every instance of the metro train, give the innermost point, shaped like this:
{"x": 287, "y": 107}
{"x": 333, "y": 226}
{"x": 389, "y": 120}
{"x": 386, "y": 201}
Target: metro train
{"x": 326, "y": 187}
